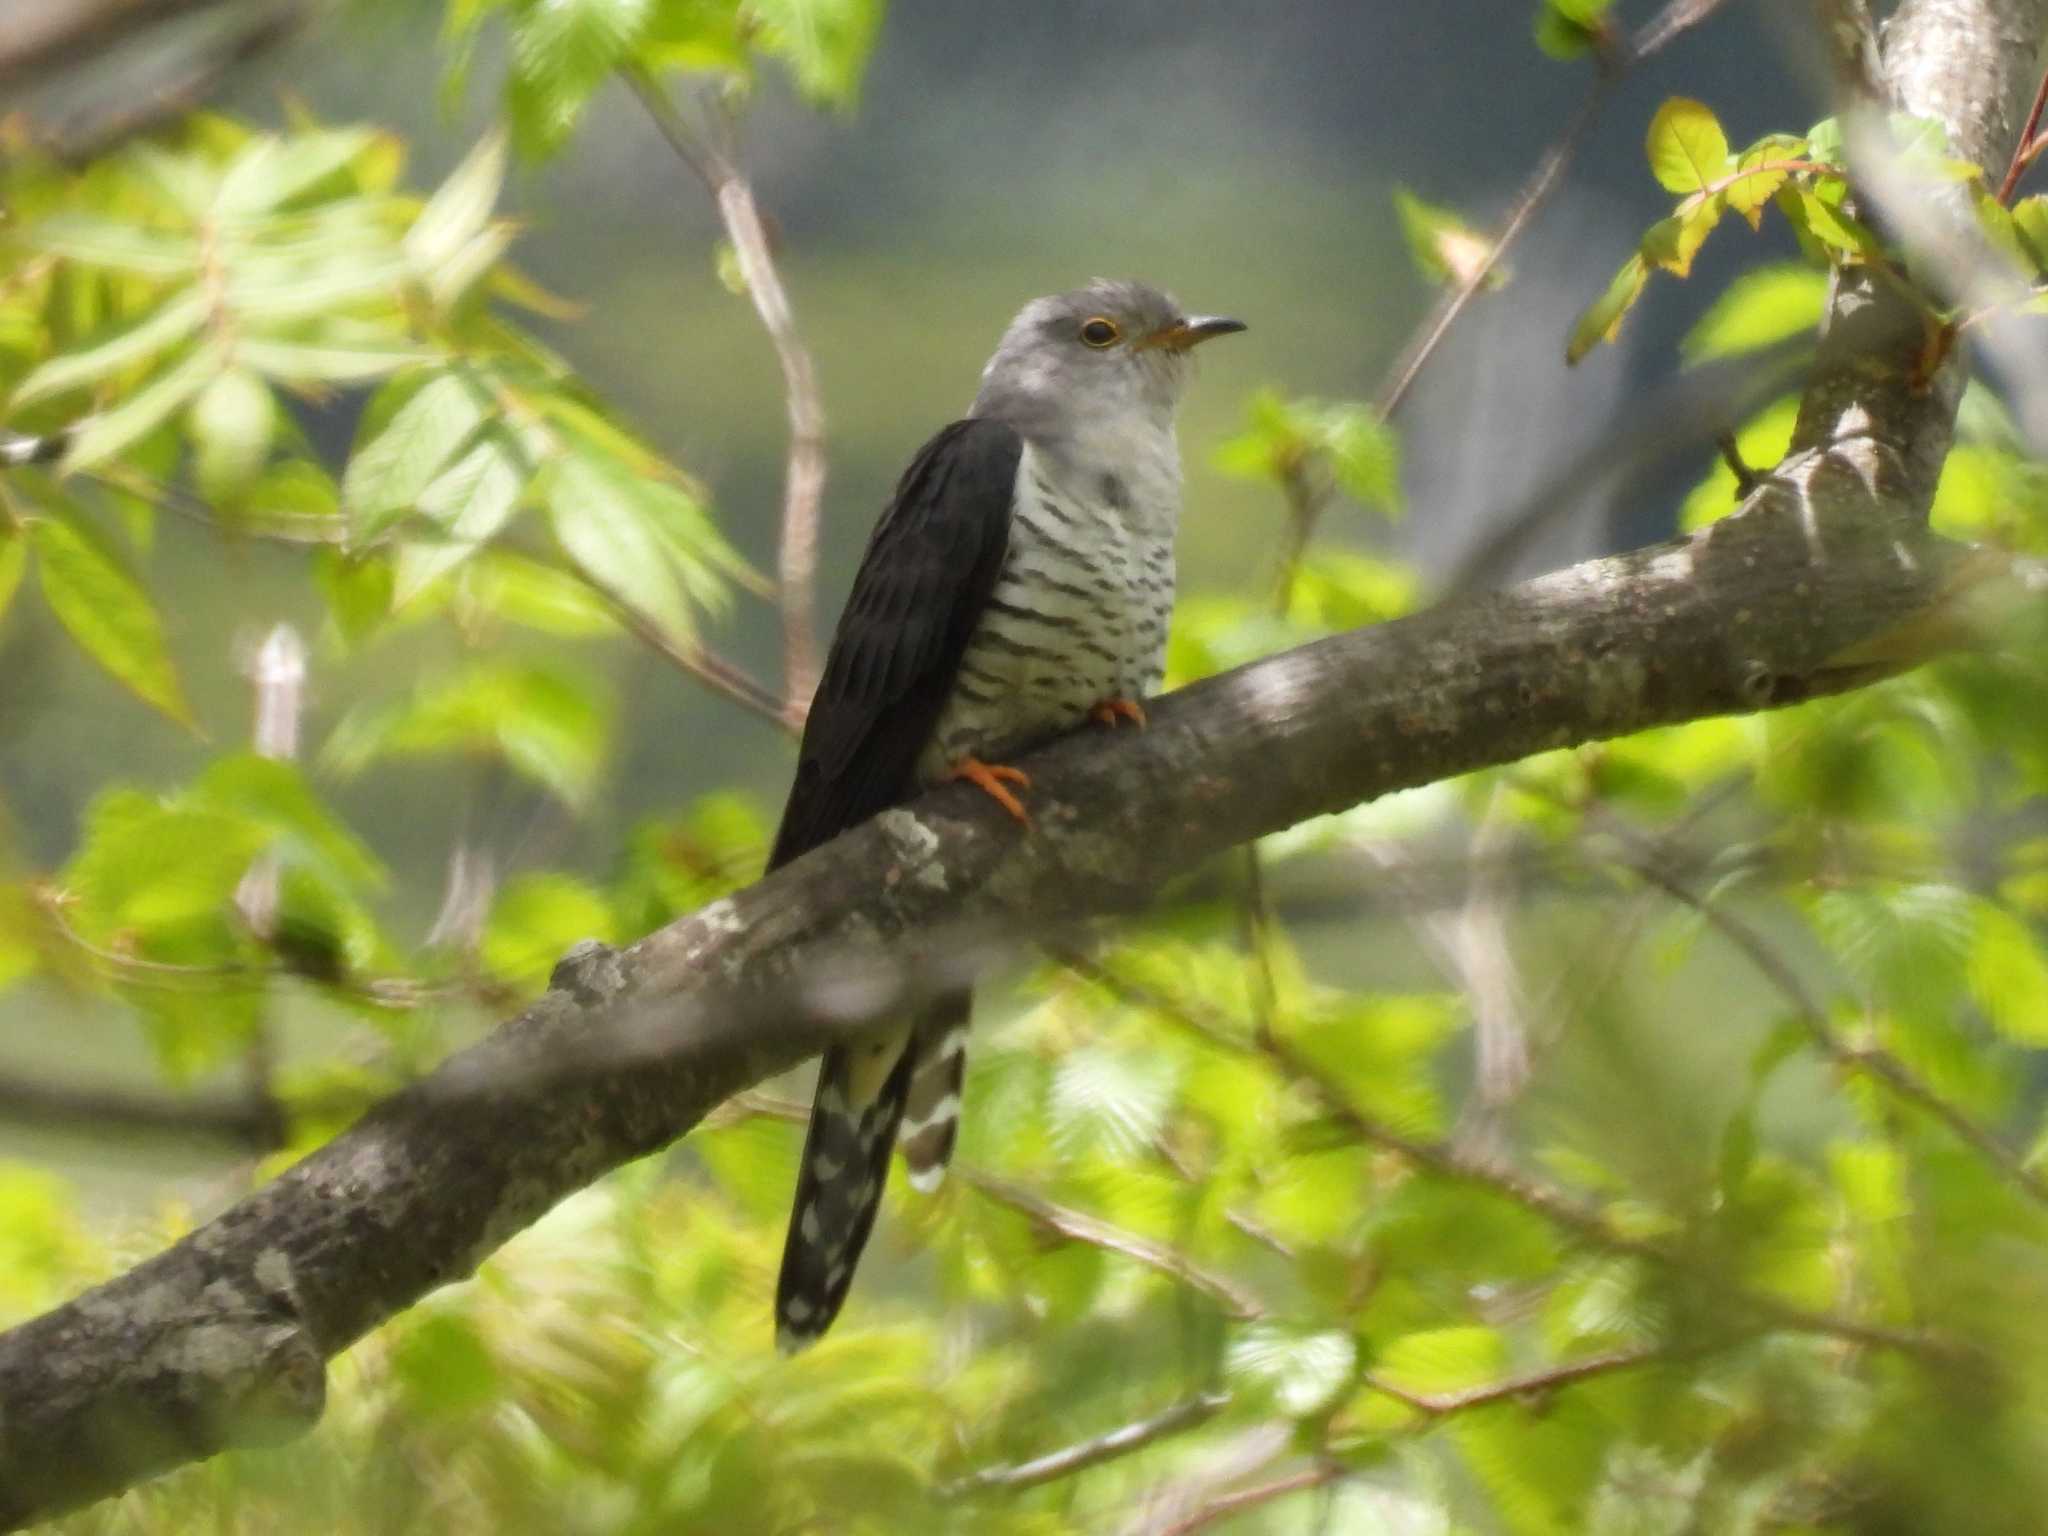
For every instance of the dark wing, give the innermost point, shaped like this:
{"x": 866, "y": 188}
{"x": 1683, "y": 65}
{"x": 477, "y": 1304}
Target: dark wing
{"x": 921, "y": 587}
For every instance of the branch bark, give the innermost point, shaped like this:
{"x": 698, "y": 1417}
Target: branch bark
{"x": 1825, "y": 581}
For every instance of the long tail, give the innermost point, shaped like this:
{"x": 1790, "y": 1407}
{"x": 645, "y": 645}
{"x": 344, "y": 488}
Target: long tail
{"x": 861, "y": 1101}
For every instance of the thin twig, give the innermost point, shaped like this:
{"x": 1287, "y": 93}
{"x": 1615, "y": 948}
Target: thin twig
{"x": 1535, "y": 1384}
{"x": 725, "y": 678}
{"x": 1078, "y": 1226}
{"x": 1064, "y": 1221}
{"x": 1873, "y": 1061}
{"x": 1083, "y": 1454}
{"x": 1553, "y": 1205}
{"x": 2029, "y": 147}
{"x": 1315, "y": 1475}
{"x": 1536, "y": 191}
{"x": 1747, "y": 479}
{"x": 1676, "y": 18}
{"x": 803, "y": 489}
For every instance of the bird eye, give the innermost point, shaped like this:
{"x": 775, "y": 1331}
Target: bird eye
{"x": 1100, "y": 332}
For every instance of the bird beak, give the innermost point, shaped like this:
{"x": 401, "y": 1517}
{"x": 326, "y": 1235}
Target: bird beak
{"x": 1193, "y": 331}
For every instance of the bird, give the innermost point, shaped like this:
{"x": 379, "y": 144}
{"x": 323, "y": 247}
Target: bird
{"x": 1018, "y": 584}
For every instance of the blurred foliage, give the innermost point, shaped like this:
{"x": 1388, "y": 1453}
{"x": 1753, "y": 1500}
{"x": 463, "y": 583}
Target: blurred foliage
{"x": 1705, "y": 1195}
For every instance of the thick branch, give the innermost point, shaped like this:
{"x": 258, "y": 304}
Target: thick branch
{"x": 38, "y": 37}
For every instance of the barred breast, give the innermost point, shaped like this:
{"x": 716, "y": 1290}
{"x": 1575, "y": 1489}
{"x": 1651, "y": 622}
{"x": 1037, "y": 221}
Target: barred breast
{"x": 1078, "y": 615}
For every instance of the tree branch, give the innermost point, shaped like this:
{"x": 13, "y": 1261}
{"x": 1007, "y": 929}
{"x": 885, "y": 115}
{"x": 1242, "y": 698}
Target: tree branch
{"x": 1065, "y": 1462}
{"x": 1677, "y": 17}
{"x": 803, "y": 489}
{"x": 1826, "y": 580}
{"x": 37, "y": 40}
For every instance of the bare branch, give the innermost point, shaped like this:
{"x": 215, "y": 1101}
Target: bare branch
{"x": 803, "y": 488}
{"x": 1060, "y": 1220}
{"x": 38, "y": 39}
{"x": 1534, "y": 1385}
{"x": 1314, "y": 1475}
{"x": 1873, "y": 1061}
{"x": 1677, "y": 17}
{"x": 1065, "y": 1462}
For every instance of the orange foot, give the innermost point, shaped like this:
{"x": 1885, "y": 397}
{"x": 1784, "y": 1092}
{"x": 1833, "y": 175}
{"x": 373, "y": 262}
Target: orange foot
{"x": 990, "y": 779}
{"x": 1109, "y": 711}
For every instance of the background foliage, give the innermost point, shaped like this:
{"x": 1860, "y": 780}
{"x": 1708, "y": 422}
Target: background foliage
{"x": 1644, "y": 1138}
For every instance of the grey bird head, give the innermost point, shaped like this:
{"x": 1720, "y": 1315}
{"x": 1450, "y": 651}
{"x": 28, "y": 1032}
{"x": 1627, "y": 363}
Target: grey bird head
{"x": 1110, "y": 357}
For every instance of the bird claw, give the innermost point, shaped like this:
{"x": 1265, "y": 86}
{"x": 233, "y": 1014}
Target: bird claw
{"x": 990, "y": 779}
{"x": 1110, "y": 711}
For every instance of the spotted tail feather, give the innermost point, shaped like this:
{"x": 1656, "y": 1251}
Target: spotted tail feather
{"x": 854, "y": 1115}
{"x": 931, "y": 1101}
{"x": 861, "y": 1101}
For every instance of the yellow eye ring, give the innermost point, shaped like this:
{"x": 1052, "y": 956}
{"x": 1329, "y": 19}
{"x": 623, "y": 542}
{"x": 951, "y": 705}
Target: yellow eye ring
{"x": 1100, "y": 331}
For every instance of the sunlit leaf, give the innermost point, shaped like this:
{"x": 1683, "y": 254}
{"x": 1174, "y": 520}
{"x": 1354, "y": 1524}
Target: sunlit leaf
{"x": 825, "y": 43}
{"x": 107, "y": 612}
{"x": 105, "y": 435}
{"x": 1687, "y": 149}
{"x": 597, "y": 516}
{"x": 535, "y": 920}
{"x": 1602, "y": 320}
{"x": 175, "y": 320}
{"x": 232, "y": 423}
{"x": 1761, "y": 307}
{"x": 117, "y": 246}
{"x": 272, "y": 171}
{"x": 392, "y": 468}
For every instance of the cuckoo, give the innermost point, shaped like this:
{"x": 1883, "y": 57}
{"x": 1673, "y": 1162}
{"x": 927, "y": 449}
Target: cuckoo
{"x": 1018, "y": 584}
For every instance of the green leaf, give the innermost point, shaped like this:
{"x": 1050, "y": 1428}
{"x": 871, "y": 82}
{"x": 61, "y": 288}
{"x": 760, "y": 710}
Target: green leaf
{"x": 232, "y": 423}
{"x": 460, "y": 209}
{"x": 1300, "y": 1370}
{"x": 1824, "y": 142}
{"x": 1838, "y": 235}
{"x": 119, "y": 247}
{"x": 445, "y": 1368}
{"x": 1565, "y": 29}
{"x": 1602, "y": 320}
{"x": 1444, "y": 247}
{"x": 146, "y": 865}
{"x": 1443, "y": 1360}
{"x": 595, "y": 511}
{"x": 2030, "y": 220}
{"x": 314, "y": 362}
{"x": 1760, "y": 308}
{"x": 474, "y": 498}
{"x": 357, "y": 589}
{"x": 544, "y": 723}
{"x": 176, "y": 319}
{"x": 2009, "y": 977}
{"x": 271, "y": 293}
{"x": 107, "y": 612}
{"x": 104, "y": 436}
{"x": 535, "y": 920}
{"x": 520, "y": 591}
{"x": 13, "y": 561}
{"x": 1755, "y": 186}
{"x": 1687, "y": 149}
{"x": 392, "y": 468}
{"x": 562, "y": 51}
{"x": 273, "y": 794}
{"x": 1672, "y": 243}
{"x": 825, "y": 43}
{"x": 272, "y": 171}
